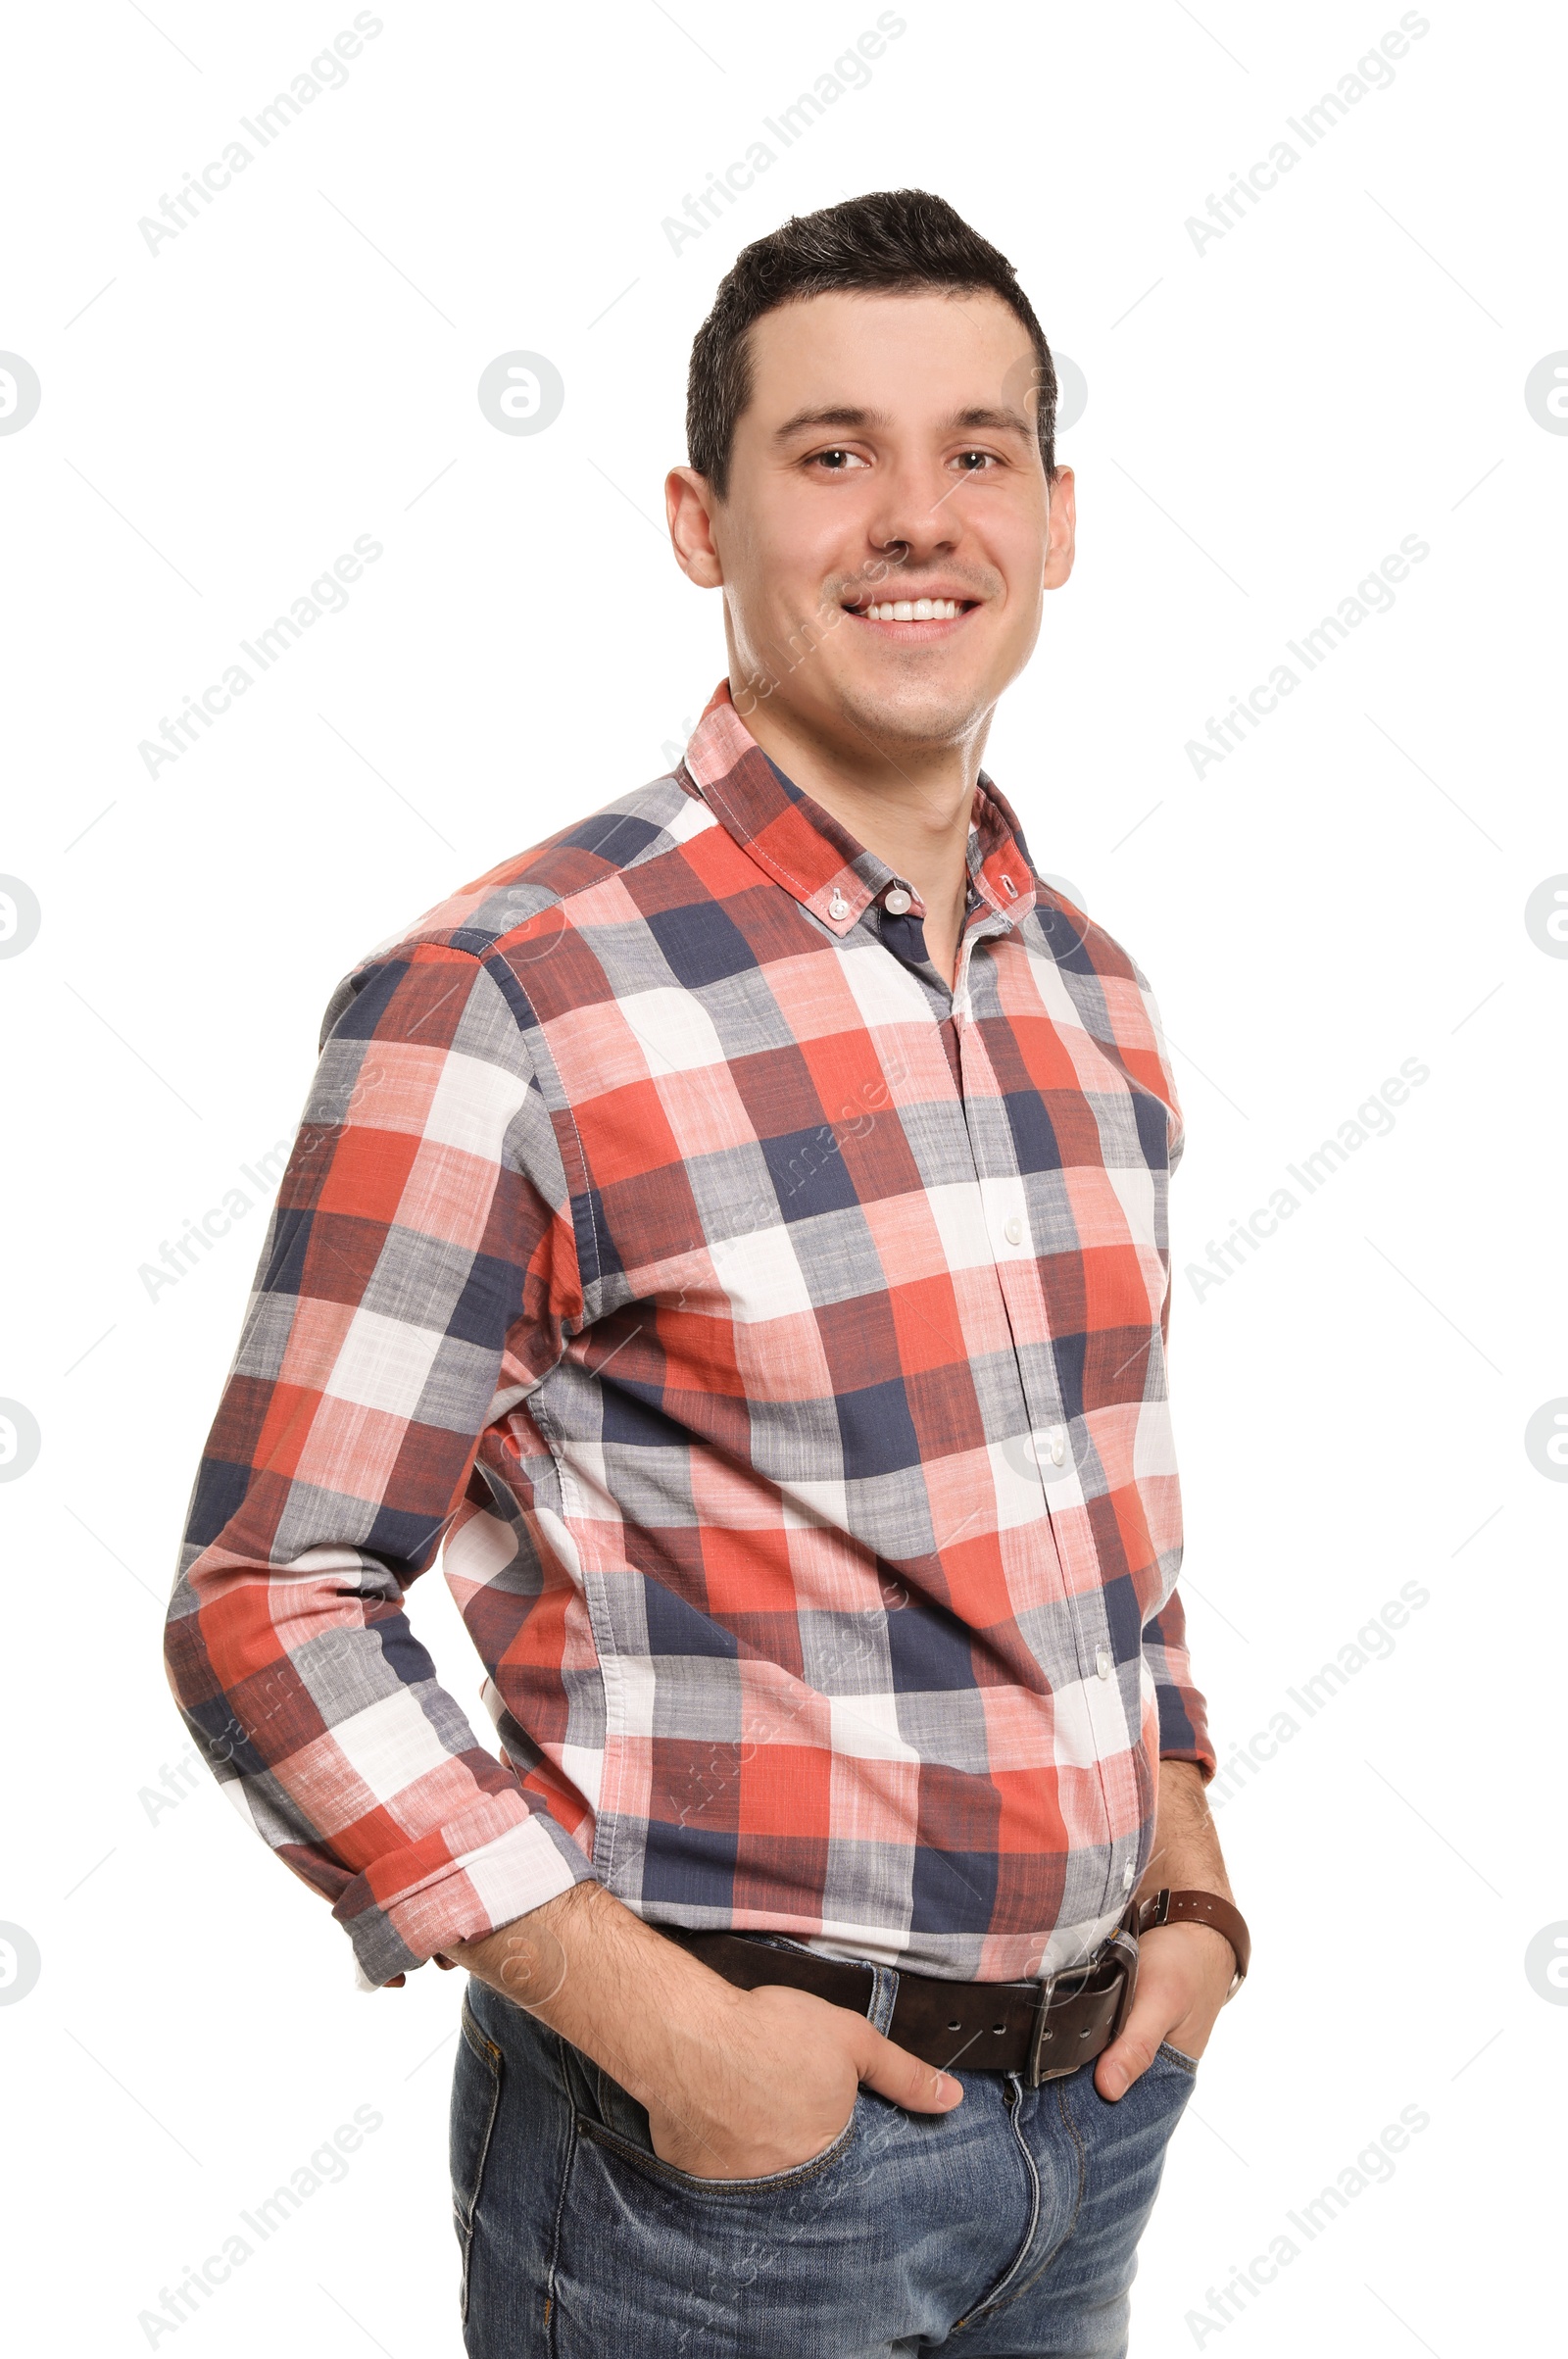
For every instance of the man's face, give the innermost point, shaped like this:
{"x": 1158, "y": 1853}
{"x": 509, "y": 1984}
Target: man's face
{"x": 887, "y": 455}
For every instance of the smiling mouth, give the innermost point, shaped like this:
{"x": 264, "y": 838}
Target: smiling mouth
{"x": 901, "y": 611}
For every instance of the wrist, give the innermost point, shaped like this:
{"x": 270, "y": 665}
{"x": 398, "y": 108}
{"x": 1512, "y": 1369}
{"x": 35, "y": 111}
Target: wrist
{"x": 1201, "y": 1910}
{"x": 669, "y": 2043}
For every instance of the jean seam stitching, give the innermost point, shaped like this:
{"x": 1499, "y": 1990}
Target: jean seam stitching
{"x": 552, "y": 2306}
{"x": 479, "y": 2042}
{"x": 999, "y": 2297}
{"x": 488, "y": 2056}
{"x": 1019, "y": 2291}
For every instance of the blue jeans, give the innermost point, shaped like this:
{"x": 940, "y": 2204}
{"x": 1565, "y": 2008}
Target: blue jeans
{"x": 1008, "y": 2227}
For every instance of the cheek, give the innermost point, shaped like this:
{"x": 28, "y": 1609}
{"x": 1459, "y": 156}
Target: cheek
{"x": 1021, "y": 611}
{"x": 1016, "y": 543}
{"x": 773, "y": 576}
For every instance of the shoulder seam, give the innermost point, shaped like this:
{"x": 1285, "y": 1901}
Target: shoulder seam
{"x": 550, "y": 900}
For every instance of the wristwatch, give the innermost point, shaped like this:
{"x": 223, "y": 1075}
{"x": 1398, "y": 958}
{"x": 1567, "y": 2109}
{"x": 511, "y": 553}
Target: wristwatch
{"x": 1166, "y": 1907}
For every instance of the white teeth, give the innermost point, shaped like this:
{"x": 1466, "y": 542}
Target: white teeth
{"x": 914, "y": 610}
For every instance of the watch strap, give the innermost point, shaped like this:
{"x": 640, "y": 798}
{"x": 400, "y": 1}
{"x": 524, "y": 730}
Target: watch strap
{"x": 1166, "y": 1907}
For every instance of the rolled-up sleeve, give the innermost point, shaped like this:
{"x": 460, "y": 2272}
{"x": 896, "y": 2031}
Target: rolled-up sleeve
{"x": 419, "y": 1263}
{"x": 1183, "y": 1714}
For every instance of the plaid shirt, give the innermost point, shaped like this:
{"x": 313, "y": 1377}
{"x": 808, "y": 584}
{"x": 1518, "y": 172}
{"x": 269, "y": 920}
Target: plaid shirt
{"x": 776, "y": 1342}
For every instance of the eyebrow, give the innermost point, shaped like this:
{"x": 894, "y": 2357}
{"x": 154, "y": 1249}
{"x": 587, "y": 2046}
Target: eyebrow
{"x": 835, "y": 414}
{"x": 1004, "y": 420}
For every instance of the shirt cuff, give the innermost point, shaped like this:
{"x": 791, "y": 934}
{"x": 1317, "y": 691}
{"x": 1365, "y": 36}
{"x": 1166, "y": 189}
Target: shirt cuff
{"x": 466, "y": 1880}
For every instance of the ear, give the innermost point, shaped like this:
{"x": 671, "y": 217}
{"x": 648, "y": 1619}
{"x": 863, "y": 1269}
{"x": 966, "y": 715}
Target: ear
{"x": 689, "y": 502}
{"x": 1061, "y": 537}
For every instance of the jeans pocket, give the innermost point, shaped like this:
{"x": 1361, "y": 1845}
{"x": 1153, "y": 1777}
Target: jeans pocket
{"x": 1179, "y": 2058}
{"x": 622, "y": 2128}
{"x": 475, "y": 2099}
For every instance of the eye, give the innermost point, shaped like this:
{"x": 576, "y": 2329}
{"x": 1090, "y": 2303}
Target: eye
{"x": 838, "y": 461}
{"x": 973, "y": 462}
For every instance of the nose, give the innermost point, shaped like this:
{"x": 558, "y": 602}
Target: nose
{"x": 916, "y": 519}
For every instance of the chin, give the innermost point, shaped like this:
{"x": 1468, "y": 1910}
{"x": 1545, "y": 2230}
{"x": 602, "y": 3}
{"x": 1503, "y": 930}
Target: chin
{"x": 915, "y": 711}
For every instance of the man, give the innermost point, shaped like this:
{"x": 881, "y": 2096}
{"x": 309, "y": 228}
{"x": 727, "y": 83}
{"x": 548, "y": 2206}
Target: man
{"x": 737, "y": 1230}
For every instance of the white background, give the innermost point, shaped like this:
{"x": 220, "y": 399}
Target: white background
{"x": 1267, "y": 419}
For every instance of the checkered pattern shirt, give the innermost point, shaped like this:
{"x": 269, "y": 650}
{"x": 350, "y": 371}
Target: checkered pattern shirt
{"x": 776, "y": 1343}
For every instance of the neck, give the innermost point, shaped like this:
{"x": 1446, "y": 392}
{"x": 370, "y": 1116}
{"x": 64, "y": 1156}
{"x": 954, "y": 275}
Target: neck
{"x": 910, "y": 805}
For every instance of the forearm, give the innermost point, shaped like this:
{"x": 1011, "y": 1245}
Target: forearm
{"x": 1187, "y": 1853}
{"x": 639, "y": 2006}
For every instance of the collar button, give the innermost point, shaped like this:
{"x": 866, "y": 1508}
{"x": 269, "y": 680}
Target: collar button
{"x": 838, "y": 906}
{"x": 897, "y": 902}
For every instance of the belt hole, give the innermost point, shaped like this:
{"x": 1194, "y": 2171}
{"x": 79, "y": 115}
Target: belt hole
{"x": 954, "y": 2027}
{"x": 998, "y": 2028}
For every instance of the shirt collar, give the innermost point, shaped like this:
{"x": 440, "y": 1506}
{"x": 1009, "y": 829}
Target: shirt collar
{"x": 810, "y": 854}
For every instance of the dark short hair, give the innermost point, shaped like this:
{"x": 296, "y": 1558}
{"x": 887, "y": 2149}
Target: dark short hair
{"x": 894, "y": 241}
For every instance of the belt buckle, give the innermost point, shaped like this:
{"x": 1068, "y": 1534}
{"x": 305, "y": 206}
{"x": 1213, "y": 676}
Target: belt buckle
{"x": 1122, "y": 1947}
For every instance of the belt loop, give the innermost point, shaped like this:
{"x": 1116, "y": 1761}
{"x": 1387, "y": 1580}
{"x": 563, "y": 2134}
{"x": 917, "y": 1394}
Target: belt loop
{"x": 1125, "y": 1944}
{"x": 884, "y": 1998}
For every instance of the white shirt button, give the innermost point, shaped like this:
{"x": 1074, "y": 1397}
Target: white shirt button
{"x": 1013, "y": 1232}
{"x": 897, "y": 902}
{"x": 838, "y": 906}
{"x": 1056, "y": 1444}
{"x": 1102, "y": 1663}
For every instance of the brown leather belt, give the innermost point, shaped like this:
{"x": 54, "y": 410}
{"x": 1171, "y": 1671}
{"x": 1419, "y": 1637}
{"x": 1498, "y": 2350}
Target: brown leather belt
{"x": 1041, "y": 2029}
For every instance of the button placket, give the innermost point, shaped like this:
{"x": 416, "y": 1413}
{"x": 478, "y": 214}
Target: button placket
{"x": 1022, "y": 1271}
{"x": 983, "y": 929}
